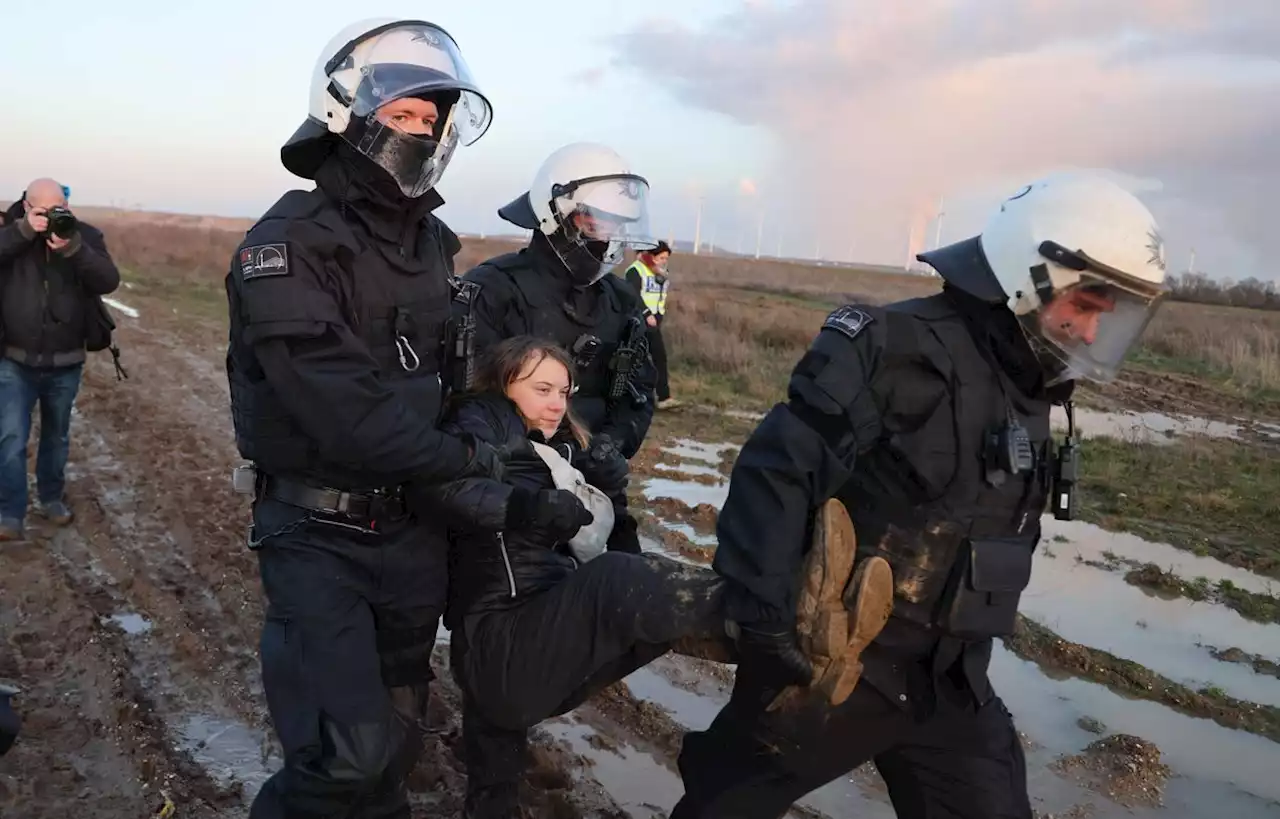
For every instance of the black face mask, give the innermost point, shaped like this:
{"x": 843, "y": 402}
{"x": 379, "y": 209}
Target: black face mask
{"x": 581, "y": 259}
{"x": 411, "y": 160}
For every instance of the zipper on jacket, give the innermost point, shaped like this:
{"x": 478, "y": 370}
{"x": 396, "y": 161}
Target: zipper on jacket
{"x": 506, "y": 561}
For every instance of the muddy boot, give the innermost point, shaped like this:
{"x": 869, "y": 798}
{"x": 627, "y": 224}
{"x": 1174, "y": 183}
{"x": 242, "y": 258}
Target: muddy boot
{"x": 840, "y": 610}
{"x": 10, "y": 529}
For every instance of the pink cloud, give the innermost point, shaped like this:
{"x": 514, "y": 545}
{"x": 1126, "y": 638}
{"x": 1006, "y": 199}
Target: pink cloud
{"x": 880, "y": 106}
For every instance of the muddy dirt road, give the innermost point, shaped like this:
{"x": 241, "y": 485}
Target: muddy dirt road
{"x": 133, "y": 634}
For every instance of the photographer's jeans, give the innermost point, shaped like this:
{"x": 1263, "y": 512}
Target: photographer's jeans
{"x": 20, "y": 388}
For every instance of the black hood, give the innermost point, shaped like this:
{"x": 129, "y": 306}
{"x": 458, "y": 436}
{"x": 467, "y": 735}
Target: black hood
{"x": 368, "y": 194}
{"x": 306, "y": 151}
{"x": 996, "y": 330}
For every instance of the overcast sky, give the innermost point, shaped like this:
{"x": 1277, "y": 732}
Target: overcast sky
{"x": 842, "y": 122}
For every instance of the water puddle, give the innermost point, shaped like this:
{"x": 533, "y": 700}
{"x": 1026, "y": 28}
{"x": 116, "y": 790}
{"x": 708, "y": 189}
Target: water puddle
{"x": 229, "y": 751}
{"x": 841, "y": 797}
{"x": 691, "y": 469}
{"x": 641, "y": 786}
{"x": 689, "y": 449}
{"x": 687, "y": 491}
{"x": 689, "y": 532}
{"x": 1092, "y": 541}
{"x": 1098, "y": 608}
{"x": 1142, "y": 427}
{"x": 129, "y": 622}
{"x": 1217, "y": 771}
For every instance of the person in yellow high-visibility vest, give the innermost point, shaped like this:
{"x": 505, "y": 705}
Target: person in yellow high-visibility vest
{"x": 648, "y": 277}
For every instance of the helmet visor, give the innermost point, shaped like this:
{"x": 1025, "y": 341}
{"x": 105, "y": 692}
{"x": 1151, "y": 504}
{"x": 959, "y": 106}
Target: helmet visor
{"x": 412, "y": 60}
{"x": 612, "y": 209}
{"x": 1091, "y": 327}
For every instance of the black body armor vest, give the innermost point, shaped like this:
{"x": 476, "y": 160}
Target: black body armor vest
{"x": 952, "y": 498}
{"x": 401, "y": 317}
{"x": 592, "y": 338}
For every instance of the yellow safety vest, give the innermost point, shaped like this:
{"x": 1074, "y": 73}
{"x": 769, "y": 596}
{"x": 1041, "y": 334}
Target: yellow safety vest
{"x": 653, "y": 291}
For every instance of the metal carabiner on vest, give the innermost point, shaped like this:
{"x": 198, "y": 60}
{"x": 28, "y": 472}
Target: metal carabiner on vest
{"x": 403, "y": 347}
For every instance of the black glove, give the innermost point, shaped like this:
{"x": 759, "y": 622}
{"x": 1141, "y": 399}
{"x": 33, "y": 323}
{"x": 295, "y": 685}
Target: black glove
{"x": 771, "y": 650}
{"x": 558, "y": 512}
{"x": 10, "y": 724}
{"x": 603, "y": 465}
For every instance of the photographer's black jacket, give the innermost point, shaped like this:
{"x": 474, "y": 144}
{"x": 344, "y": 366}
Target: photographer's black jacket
{"x": 45, "y": 294}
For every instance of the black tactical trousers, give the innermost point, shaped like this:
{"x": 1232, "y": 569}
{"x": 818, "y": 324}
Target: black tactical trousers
{"x": 550, "y": 654}
{"x": 658, "y": 350}
{"x": 346, "y": 648}
{"x": 960, "y": 762}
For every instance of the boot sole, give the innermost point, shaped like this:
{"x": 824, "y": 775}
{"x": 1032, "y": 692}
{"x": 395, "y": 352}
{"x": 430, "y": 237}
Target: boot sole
{"x": 841, "y": 609}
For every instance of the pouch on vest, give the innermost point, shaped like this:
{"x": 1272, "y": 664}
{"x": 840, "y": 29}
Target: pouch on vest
{"x": 983, "y": 601}
{"x": 591, "y": 540}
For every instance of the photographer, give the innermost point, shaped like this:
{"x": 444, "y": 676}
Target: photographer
{"x": 51, "y": 267}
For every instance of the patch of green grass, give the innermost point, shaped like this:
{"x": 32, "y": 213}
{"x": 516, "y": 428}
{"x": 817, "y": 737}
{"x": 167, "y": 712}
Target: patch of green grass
{"x": 1210, "y": 496}
{"x": 1037, "y": 643}
{"x": 1262, "y": 608}
{"x": 1204, "y": 370}
{"x": 203, "y": 299}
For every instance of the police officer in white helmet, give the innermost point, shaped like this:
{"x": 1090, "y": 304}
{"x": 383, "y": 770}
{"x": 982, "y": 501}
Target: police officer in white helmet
{"x": 585, "y": 207}
{"x": 338, "y": 301}
{"x": 922, "y": 428}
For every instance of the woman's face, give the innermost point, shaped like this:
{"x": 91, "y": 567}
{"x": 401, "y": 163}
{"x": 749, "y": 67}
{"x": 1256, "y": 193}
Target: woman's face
{"x": 541, "y": 392}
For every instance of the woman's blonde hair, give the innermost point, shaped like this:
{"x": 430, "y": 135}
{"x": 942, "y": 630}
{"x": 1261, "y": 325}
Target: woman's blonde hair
{"x": 502, "y": 364}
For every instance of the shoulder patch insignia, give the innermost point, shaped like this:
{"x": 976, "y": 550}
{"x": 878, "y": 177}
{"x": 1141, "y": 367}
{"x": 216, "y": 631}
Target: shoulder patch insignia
{"x": 848, "y": 320}
{"x": 259, "y": 261}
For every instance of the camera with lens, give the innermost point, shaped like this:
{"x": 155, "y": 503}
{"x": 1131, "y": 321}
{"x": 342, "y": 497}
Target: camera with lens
{"x": 62, "y": 222}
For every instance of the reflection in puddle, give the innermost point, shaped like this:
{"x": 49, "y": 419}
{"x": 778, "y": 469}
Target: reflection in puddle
{"x": 1142, "y": 427}
{"x": 129, "y": 622}
{"x": 1218, "y": 771}
{"x": 687, "y": 491}
{"x": 1097, "y": 608}
{"x": 691, "y": 469}
{"x": 1091, "y": 541}
{"x": 839, "y": 798}
{"x": 689, "y": 532}
{"x": 641, "y": 786}
{"x": 689, "y": 449}
{"x": 229, "y": 751}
